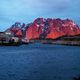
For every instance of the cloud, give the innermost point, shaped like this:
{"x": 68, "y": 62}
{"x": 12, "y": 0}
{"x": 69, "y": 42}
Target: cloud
{"x": 55, "y": 4}
{"x": 26, "y": 10}
{"x": 16, "y": 7}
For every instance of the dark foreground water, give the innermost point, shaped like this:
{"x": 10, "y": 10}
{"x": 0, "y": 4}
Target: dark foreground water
{"x": 39, "y": 62}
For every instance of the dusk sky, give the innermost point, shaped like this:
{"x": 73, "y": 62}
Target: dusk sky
{"x": 27, "y": 10}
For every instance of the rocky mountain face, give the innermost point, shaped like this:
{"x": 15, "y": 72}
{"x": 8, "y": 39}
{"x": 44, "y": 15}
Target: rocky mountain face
{"x": 46, "y": 29}
{"x": 17, "y": 29}
{"x": 52, "y": 29}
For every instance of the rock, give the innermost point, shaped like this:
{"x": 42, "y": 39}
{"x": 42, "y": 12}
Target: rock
{"x": 52, "y": 28}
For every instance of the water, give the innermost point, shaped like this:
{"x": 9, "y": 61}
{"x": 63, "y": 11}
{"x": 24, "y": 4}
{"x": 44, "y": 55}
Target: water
{"x": 39, "y": 62}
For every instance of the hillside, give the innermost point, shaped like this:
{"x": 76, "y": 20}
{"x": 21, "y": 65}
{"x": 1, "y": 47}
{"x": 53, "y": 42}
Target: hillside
{"x": 42, "y": 28}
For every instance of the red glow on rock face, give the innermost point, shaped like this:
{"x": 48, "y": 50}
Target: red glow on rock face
{"x": 56, "y": 28}
{"x": 55, "y": 34}
{"x": 32, "y": 32}
{"x": 47, "y": 29}
{"x": 19, "y": 33}
{"x": 29, "y": 33}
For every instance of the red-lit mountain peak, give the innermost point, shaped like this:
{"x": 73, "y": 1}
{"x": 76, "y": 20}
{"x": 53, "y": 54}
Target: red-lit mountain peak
{"x": 54, "y": 28}
{"x": 46, "y": 29}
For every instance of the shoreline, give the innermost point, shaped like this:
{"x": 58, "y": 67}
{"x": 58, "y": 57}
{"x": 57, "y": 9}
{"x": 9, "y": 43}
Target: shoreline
{"x": 58, "y": 42}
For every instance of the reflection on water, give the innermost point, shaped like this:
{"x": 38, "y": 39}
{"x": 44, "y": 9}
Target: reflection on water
{"x": 39, "y": 62}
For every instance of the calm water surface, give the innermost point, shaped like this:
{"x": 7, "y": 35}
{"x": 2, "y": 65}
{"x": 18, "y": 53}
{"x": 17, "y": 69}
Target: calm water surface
{"x": 39, "y": 62}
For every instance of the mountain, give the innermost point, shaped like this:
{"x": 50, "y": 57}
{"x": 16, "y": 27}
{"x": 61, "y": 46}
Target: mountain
{"x": 17, "y": 29}
{"x": 52, "y": 28}
{"x": 48, "y": 28}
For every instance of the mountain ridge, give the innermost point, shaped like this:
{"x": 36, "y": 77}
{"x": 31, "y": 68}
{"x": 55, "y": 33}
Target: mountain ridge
{"x": 49, "y": 28}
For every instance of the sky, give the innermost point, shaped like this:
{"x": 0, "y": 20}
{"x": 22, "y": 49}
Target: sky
{"x": 26, "y": 11}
